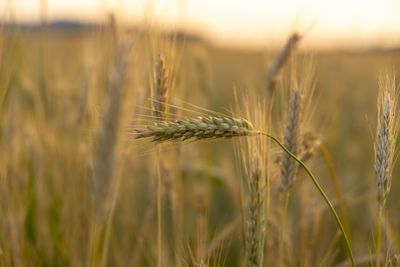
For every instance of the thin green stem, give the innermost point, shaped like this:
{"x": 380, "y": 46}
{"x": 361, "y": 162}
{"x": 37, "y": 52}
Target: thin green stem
{"x": 335, "y": 182}
{"x": 283, "y": 228}
{"x": 379, "y": 238}
{"x": 321, "y": 191}
{"x": 159, "y": 212}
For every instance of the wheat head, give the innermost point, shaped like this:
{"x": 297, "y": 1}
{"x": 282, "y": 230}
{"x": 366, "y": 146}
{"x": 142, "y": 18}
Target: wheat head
{"x": 291, "y": 139}
{"x": 196, "y": 129}
{"x": 385, "y": 139}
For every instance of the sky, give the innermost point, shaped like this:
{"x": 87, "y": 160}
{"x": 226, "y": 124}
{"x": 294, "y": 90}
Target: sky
{"x": 348, "y": 23}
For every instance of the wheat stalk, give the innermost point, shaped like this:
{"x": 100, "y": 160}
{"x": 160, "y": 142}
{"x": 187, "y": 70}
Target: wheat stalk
{"x": 291, "y": 140}
{"x": 104, "y": 155}
{"x": 256, "y": 210}
{"x": 196, "y": 128}
{"x": 289, "y": 167}
{"x": 159, "y": 111}
{"x": 105, "y": 158}
{"x": 385, "y": 146}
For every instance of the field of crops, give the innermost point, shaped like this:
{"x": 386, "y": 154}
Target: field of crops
{"x": 136, "y": 148}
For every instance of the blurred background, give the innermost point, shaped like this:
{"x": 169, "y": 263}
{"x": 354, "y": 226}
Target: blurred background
{"x": 255, "y": 23}
{"x": 75, "y": 190}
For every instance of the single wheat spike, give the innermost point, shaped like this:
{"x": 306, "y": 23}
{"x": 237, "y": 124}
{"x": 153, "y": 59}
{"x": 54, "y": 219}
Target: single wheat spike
{"x": 160, "y": 88}
{"x": 196, "y": 129}
{"x": 385, "y": 142}
{"x": 256, "y": 212}
{"x": 291, "y": 140}
{"x": 280, "y": 61}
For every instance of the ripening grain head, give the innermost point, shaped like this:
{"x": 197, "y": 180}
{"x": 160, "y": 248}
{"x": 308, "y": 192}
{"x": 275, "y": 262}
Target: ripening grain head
{"x": 161, "y": 87}
{"x": 280, "y": 61}
{"x": 196, "y": 129}
{"x": 298, "y": 107}
{"x": 291, "y": 139}
{"x": 385, "y": 140}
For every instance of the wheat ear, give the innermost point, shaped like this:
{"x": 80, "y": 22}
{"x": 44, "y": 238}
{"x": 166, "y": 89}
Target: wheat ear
{"x": 161, "y": 86}
{"x": 196, "y": 129}
{"x": 385, "y": 144}
{"x": 280, "y": 61}
{"x": 291, "y": 140}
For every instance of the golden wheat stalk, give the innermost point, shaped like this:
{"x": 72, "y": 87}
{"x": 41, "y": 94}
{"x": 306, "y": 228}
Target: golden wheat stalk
{"x": 105, "y": 159}
{"x": 255, "y": 233}
{"x": 159, "y": 111}
{"x": 385, "y": 146}
{"x": 107, "y": 136}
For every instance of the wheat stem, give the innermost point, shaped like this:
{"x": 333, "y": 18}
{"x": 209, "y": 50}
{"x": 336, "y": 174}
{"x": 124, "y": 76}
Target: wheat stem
{"x": 159, "y": 211}
{"x": 385, "y": 147}
{"x": 159, "y": 112}
{"x": 379, "y": 239}
{"x": 281, "y": 250}
{"x": 336, "y": 186}
{"x": 321, "y": 191}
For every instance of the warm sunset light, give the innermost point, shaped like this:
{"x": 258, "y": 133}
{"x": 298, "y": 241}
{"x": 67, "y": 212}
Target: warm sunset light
{"x": 357, "y": 23}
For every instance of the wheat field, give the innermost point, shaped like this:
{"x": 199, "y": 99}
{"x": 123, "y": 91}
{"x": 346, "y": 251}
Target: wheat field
{"x": 140, "y": 148}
